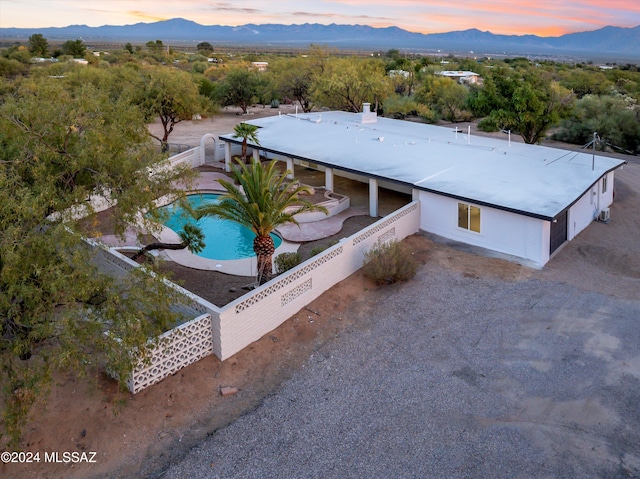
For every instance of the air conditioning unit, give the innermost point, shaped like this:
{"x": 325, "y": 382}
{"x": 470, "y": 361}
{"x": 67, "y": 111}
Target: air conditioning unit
{"x": 605, "y": 215}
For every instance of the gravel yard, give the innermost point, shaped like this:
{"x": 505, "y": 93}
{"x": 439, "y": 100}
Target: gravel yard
{"x": 452, "y": 376}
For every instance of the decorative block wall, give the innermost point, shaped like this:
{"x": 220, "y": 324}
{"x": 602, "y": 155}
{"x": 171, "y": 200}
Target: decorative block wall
{"x": 175, "y": 349}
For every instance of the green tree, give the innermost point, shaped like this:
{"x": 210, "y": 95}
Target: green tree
{"x": 75, "y": 48}
{"x": 293, "y": 79}
{"x": 38, "y": 45}
{"x": 585, "y": 82}
{"x": 522, "y": 99}
{"x": 615, "y": 118}
{"x": 155, "y": 47}
{"x": 347, "y": 83}
{"x": 262, "y": 201}
{"x": 248, "y": 133}
{"x": 444, "y": 95}
{"x": 204, "y": 47}
{"x": 171, "y": 95}
{"x": 57, "y": 309}
{"x": 400, "y": 106}
{"x": 239, "y": 88}
{"x": 128, "y": 47}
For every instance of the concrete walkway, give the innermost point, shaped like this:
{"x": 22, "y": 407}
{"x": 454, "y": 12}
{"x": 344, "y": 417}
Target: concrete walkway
{"x": 318, "y": 229}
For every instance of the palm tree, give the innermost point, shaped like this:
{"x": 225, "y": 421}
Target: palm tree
{"x": 261, "y": 202}
{"x": 192, "y": 238}
{"x": 246, "y": 132}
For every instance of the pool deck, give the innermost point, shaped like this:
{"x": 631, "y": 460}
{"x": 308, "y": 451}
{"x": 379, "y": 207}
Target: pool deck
{"x": 291, "y": 234}
{"x": 318, "y": 229}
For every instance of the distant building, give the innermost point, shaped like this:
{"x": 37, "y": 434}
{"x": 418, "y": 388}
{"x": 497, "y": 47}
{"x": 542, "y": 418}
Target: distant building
{"x": 260, "y": 66}
{"x": 43, "y": 60}
{"x": 399, "y": 73}
{"x": 462, "y": 76}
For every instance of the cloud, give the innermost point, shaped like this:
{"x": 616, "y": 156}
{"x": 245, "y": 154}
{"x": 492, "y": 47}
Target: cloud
{"x": 146, "y": 16}
{"x": 230, "y": 7}
{"x": 340, "y": 15}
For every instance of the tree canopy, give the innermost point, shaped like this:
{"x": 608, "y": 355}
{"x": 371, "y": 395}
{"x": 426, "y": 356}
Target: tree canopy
{"x": 38, "y": 45}
{"x": 240, "y": 87}
{"x": 75, "y": 48}
{"x": 63, "y": 142}
{"x": 346, "y": 84}
{"x": 526, "y": 100}
{"x": 170, "y": 95}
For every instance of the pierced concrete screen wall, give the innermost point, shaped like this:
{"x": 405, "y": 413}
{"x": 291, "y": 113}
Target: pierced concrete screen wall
{"x": 176, "y": 349}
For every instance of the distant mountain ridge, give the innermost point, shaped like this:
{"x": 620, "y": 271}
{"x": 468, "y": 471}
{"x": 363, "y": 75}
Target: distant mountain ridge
{"x": 616, "y": 42}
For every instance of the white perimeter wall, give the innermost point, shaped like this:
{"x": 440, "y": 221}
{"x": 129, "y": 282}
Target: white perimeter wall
{"x": 501, "y": 231}
{"x": 249, "y": 318}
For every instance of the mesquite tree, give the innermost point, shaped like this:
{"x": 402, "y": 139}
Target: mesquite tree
{"x": 64, "y": 141}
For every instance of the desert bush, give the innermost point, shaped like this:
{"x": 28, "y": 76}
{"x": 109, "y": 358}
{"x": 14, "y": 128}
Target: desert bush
{"x": 286, "y": 261}
{"x": 488, "y": 124}
{"x": 389, "y": 263}
{"x": 319, "y": 249}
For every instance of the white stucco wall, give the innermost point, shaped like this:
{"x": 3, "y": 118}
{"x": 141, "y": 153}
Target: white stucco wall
{"x": 501, "y": 231}
{"x": 587, "y": 208}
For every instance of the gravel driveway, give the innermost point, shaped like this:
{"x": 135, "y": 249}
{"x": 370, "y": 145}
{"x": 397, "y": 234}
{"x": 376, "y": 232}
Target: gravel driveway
{"x": 453, "y": 376}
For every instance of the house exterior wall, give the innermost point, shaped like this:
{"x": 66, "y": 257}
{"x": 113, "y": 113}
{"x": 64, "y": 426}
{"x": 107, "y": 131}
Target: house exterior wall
{"x": 510, "y": 233}
{"x": 501, "y": 231}
{"x": 587, "y": 208}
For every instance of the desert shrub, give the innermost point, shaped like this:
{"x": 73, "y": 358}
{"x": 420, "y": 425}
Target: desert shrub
{"x": 286, "y": 261}
{"x": 488, "y": 124}
{"x": 319, "y": 249}
{"x": 389, "y": 263}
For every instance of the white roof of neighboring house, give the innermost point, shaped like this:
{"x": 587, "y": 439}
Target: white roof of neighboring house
{"x": 457, "y": 74}
{"x": 533, "y": 180}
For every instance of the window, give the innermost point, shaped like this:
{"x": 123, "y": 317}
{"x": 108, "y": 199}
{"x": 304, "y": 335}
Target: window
{"x": 469, "y": 217}
{"x": 604, "y": 184}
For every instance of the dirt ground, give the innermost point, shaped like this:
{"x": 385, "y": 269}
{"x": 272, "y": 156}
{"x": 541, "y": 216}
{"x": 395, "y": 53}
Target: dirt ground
{"x": 138, "y": 436}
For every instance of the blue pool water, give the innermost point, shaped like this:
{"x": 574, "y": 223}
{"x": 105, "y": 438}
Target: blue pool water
{"x": 224, "y": 239}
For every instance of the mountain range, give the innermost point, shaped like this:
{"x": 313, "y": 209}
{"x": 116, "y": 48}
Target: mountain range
{"x": 615, "y": 43}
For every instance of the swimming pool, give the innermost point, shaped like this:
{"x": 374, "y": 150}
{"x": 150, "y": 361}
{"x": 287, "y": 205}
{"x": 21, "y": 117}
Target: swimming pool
{"x": 224, "y": 239}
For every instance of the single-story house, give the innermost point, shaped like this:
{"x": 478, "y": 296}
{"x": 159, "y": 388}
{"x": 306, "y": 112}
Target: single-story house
{"x": 524, "y": 201}
{"x": 260, "y": 66}
{"x": 461, "y": 76}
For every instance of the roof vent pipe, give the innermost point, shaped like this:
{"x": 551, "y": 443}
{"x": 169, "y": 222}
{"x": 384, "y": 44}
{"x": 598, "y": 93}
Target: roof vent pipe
{"x": 366, "y": 108}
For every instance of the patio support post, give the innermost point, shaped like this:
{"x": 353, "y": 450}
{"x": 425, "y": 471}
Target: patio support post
{"x": 290, "y": 167}
{"x": 328, "y": 179}
{"x": 373, "y": 197}
{"x": 256, "y": 154}
{"x": 415, "y": 194}
{"x": 227, "y": 157}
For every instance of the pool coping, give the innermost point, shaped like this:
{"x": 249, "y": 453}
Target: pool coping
{"x": 238, "y": 267}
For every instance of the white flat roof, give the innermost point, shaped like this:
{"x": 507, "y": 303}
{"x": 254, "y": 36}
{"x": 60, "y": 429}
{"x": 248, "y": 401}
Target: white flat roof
{"x": 534, "y": 180}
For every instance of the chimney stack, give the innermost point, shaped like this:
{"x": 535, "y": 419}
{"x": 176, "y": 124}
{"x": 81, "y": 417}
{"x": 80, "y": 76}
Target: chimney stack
{"x": 367, "y": 116}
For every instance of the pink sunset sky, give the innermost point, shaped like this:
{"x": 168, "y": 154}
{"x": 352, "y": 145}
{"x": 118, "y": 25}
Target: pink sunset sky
{"x": 519, "y": 17}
